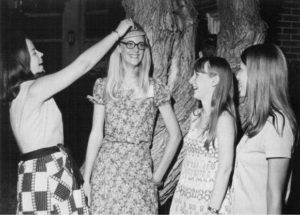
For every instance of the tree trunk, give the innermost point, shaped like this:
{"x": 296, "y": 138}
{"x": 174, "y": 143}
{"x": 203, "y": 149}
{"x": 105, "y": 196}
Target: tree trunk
{"x": 240, "y": 26}
{"x": 171, "y": 28}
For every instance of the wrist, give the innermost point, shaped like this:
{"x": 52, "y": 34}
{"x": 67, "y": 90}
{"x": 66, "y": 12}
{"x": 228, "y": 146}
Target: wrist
{"x": 213, "y": 210}
{"x": 117, "y": 33}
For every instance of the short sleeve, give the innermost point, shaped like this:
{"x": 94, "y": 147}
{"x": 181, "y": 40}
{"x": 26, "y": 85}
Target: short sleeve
{"x": 278, "y": 145}
{"x": 162, "y": 95}
{"x": 98, "y": 92}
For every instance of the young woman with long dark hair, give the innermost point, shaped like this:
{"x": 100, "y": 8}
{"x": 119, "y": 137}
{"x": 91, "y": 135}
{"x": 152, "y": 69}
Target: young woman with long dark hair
{"x": 48, "y": 180}
{"x": 209, "y": 144}
{"x": 263, "y": 154}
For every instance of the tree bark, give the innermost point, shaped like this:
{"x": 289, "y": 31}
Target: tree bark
{"x": 240, "y": 26}
{"x": 171, "y": 29}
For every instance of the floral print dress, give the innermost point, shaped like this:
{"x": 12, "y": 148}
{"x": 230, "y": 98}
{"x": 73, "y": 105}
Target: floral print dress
{"x": 122, "y": 180}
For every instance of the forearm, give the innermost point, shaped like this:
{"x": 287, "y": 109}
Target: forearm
{"x": 92, "y": 55}
{"x": 220, "y": 188}
{"x": 274, "y": 202}
{"x": 169, "y": 152}
{"x": 91, "y": 154}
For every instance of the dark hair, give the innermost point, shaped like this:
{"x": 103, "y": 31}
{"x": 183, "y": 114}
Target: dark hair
{"x": 223, "y": 96}
{"x": 209, "y": 46}
{"x": 14, "y": 65}
{"x": 267, "y": 89}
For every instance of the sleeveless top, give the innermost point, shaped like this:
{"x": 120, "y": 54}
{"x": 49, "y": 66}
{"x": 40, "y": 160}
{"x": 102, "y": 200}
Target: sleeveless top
{"x": 35, "y": 128}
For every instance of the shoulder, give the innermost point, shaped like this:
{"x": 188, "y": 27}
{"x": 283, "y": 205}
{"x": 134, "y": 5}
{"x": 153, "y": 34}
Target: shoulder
{"x": 279, "y": 124}
{"x": 277, "y": 137}
{"x": 25, "y": 86}
{"x": 225, "y": 122}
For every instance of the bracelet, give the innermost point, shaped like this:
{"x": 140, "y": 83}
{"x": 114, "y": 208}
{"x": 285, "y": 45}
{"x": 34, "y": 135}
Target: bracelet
{"x": 213, "y": 210}
{"x": 116, "y": 33}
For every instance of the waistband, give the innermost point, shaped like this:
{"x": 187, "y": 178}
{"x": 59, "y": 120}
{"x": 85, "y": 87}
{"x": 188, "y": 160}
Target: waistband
{"x": 50, "y": 150}
{"x": 39, "y": 153}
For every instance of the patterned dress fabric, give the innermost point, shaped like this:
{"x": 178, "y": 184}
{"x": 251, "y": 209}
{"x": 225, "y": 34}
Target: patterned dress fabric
{"x": 45, "y": 186}
{"x": 122, "y": 180}
{"x": 197, "y": 177}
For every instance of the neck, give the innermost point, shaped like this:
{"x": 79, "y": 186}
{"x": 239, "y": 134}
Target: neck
{"x": 206, "y": 105}
{"x": 130, "y": 78}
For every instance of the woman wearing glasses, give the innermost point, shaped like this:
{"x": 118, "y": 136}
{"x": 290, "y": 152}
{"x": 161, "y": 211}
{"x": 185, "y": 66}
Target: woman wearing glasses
{"x": 118, "y": 169}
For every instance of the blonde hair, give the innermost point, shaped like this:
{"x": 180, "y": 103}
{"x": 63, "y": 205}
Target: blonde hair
{"x": 222, "y": 99}
{"x": 115, "y": 75}
{"x": 267, "y": 89}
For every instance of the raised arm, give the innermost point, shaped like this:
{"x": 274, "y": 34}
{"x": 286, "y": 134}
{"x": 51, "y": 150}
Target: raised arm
{"x": 95, "y": 141}
{"x": 45, "y": 87}
{"x": 226, "y": 137}
{"x": 173, "y": 142}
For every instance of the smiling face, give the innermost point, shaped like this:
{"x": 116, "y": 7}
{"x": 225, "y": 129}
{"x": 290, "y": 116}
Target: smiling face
{"x": 242, "y": 78}
{"x": 132, "y": 57}
{"x": 35, "y": 58}
{"x": 202, "y": 84}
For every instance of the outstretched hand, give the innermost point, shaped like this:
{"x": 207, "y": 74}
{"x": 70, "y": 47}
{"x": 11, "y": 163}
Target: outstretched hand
{"x": 124, "y": 26}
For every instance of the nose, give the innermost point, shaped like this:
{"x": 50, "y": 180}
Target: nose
{"x": 191, "y": 80}
{"x": 40, "y": 54}
{"x": 135, "y": 48}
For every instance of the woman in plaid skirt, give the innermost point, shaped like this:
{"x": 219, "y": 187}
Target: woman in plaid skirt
{"x": 48, "y": 180}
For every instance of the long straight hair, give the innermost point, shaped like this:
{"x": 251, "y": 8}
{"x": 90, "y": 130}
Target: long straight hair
{"x": 115, "y": 75}
{"x": 14, "y": 65}
{"x": 267, "y": 89}
{"x": 223, "y": 95}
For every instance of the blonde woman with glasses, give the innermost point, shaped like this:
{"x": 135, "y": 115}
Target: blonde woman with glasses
{"x": 118, "y": 169}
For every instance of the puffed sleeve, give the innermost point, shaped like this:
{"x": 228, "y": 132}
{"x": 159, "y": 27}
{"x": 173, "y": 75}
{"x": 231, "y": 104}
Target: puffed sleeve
{"x": 278, "y": 145}
{"x": 98, "y": 92}
{"x": 162, "y": 95}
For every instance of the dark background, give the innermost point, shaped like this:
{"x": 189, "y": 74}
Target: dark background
{"x": 77, "y": 110}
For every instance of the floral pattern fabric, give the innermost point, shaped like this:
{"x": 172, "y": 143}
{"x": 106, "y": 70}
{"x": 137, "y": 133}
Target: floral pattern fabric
{"x": 122, "y": 175}
{"x": 197, "y": 177}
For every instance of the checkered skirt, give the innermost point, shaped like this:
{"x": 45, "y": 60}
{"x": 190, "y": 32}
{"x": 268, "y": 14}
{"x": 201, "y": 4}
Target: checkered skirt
{"x": 46, "y": 186}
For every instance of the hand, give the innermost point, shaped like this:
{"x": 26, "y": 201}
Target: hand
{"x": 124, "y": 26}
{"x": 87, "y": 191}
{"x": 156, "y": 180}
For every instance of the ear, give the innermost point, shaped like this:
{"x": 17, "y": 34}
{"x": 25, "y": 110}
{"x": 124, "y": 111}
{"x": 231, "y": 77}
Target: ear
{"x": 215, "y": 80}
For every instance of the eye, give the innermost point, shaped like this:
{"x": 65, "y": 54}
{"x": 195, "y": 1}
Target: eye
{"x": 142, "y": 45}
{"x": 130, "y": 44}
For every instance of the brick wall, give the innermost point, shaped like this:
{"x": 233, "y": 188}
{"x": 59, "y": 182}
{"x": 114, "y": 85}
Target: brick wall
{"x": 288, "y": 30}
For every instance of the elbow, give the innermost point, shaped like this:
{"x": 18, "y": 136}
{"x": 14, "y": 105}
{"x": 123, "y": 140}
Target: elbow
{"x": 176, "y": 137}
{"x": 226, "y": 171}
{"x": 85, "y": 64}
{"x": 95, "y": 140}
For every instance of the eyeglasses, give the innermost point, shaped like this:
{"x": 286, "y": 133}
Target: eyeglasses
{"x": 131, "y": 45}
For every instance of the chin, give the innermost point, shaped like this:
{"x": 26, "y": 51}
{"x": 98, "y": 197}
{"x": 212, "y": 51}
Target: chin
{"x": 39, "y": 74}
